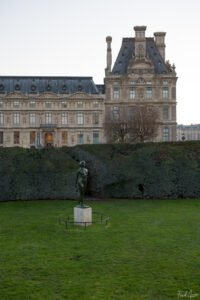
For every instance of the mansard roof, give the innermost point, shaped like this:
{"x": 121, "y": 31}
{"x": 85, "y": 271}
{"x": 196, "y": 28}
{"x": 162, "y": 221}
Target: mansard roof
{"x": 127, "y": 52}
{"x": 43, "y": 84}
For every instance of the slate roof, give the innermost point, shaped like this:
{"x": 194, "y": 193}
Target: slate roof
{"x": 128, "y": 50}
{"x": 42, "y": 84}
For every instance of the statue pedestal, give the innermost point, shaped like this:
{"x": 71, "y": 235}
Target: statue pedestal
{"x": 83, "y": 216}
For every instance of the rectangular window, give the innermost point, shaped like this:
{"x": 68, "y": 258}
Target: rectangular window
{"x": 48, "y": 118}
{"x": 48, "y": 104}
{"x": 32, "y": 104}
{"x": 165, "y": 113}
{"x": 79, "y": 104}
{"x": 1, "y": 103}
{"x": 16, "y": 137}
{"x": 165, "y": 134}
{"x": 64, "y": 104}
{"x": 165, "y": 82}
{"x": 16, "y": 118}
{"x": 64, "y": 137}
{"x": 32, "y": 138}
{"x": 1, "y": 118}
{"x": 95, "y": 104}
{"x": 80, "y": 118}
{"x": 115, "y": 113}
{"x": 1, "y": 137}
{"x": 95, "y": 137}
{"x": 80, "y": 138}
{"x": 132, "y": 93}
{"x": 149, "y": 92}
{"x": 165, "y": 93}
{"x": 116, "y": 92}
{"x": 95, "y": 118}
{"x": 16, "y": 104}
{"x": 132, "y": 82}
{"x": 38, "y": 138}
{"x": 32, "y": 118}
{"x": 64, "y": 118}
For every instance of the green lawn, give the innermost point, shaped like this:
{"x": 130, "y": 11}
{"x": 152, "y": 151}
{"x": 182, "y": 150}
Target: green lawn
{"x": 149, "y": 250}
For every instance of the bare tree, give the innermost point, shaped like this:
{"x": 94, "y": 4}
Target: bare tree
{"x": 131, "y": 124}
{"x": 117, "y": 125}
{"x": 144, "y": 124}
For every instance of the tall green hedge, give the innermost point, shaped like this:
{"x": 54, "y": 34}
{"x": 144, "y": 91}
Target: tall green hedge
{"x": 153, "y": 170}
{"x": 36, "y": 174}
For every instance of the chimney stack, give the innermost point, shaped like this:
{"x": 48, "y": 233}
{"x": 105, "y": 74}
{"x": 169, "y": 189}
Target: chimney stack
{"x": 140, "y": 42}
{"x": 109, "y": 55}
{"x": 160, "y": 42}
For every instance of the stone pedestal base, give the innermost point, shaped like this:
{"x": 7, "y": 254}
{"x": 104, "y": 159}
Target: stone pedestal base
{"x": 83, "y": 216}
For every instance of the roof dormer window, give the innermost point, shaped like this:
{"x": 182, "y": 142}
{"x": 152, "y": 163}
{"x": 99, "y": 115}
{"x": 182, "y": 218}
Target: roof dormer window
{"x": 33, "y": 87}
{"x": 80, "y": 87}
{"x": 1, "y": 87}
{"x": 48, "y": 87}
{"x": 17, "y": 87}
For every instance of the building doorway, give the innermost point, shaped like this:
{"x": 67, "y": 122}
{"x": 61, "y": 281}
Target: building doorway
{"x": 48, "y": 139}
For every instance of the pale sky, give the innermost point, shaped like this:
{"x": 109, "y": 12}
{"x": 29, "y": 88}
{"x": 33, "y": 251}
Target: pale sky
{"x": 67, "y": 38}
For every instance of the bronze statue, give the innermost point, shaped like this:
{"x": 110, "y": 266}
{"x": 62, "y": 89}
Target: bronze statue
{"x": 81, "y": 181}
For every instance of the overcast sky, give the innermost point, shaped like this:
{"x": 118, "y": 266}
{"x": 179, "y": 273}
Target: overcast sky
{"x": 67, "y": 38}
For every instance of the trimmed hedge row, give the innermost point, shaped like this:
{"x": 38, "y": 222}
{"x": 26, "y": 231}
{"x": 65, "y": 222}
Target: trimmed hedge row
{"x": 153, "y": 170}
{"x": 36, "y": 174}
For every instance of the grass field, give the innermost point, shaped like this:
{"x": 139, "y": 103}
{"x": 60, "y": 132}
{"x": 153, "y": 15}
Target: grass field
{"x": 149, "y": 250}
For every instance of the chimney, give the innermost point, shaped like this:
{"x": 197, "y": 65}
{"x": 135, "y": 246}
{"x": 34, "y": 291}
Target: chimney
{"x": 109, "y": 55}
{"x": 140, "y": 42}
{"x": 160, "y": 42}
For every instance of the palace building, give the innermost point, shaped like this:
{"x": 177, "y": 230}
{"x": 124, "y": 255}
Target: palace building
{"x": 40, "y": 111}
{"x": 142, "y": 76}
{"x": 50, "y": 111}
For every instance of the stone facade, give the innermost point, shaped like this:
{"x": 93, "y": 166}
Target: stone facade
{"x": 65, "y": 111}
